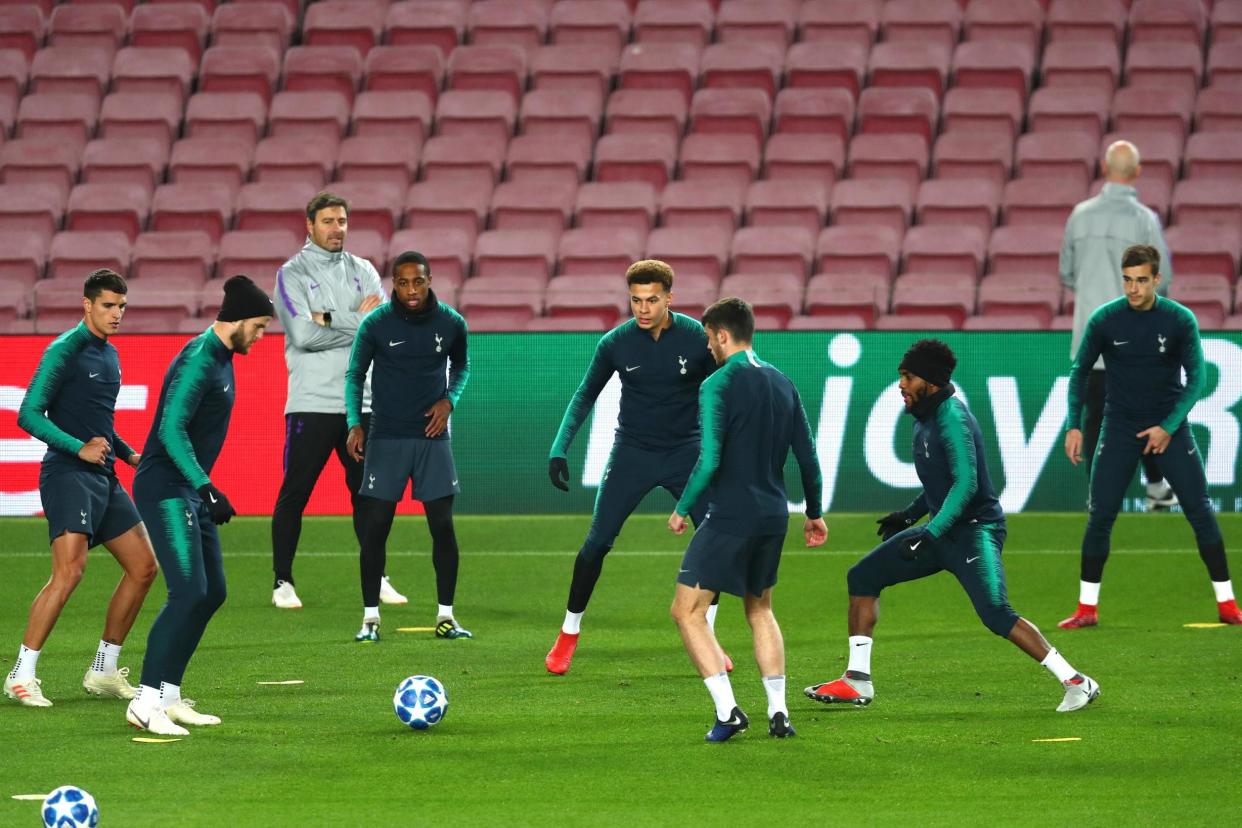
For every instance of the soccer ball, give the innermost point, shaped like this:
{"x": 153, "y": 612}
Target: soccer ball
{"x": 420, "y": 702}
{"x": 70, "y": 807}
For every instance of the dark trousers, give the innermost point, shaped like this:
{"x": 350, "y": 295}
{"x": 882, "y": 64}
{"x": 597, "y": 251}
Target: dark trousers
{"x": 310, "y": 439}
{"x": 1092, "y": 421}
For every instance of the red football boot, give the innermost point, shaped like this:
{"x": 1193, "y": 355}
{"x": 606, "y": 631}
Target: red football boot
{"x": 1086, "y": 615}
{"x": 844, "y": 690}
{"x": 1229, "y": 612}
{"x": 562, "y": 652}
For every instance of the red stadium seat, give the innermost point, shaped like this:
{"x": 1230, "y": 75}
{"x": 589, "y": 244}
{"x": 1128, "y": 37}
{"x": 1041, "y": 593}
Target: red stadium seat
{"x": 624, "y": 206}
{"x": 904, "y": 157}
{"x": 787, "y": 203}
{"x": 967, "y": 154}
{"x": 910, "y": 63}
{"x": 723, "y": 158}
{"x": 405, "y": 69}
{"x": 843, "y": 22}
{"x": 448, "y": 252}
{"x": 646, "y": 111}
{"x": 775, "y": 297}
{"x": 71, "y": 69}
{"x": 1206, "y": 201}
{"x": 691, "y": 251}
{"x": 488, "y": 68}
{"x": 231, "y": 117}
{"x": 1224, "y": 63}
{"x": 586, "y": 321}
{"x": 602, "y": 24}
{"x": 886, "y": 202}
{"x": 592, "y": 251}
{"x": 22, "y": 262}
{"x": 22, "y": 28}
{"x": 899, "y": 110}
{"x": 182, "y": 207}
{"x": 844, "y": 66}
{"x": 34, "y": 210}
{"x": 323, "y": 69}
{"x": 313, "y": 116}
{"x": 689, "y": 21}
{"x": 162, "y": 257}
{"x": 476, "y": 113}
{"x": 1157, "y": 108}
{"x": 1212, "y": 155}
{"x": 1044, "y": 200}
{"x": 759, "y": 66}
{"x": 923, "y": 294}
{"x": 384, "y": 113}
{"x": 1068, "y": 64}
{"x": 635, "y": 157}
{"x": 449, "y": 207}
{"x": 473, "y": 160}
{"x": 137, "y": 116}
{"x": 1011, "y": 21}
{"x": 370, "y": 245}
{"x": 695, "y": 293}
{"x": 937, "y": 22}
{"x": 702, "y": 204}
{"x": 1018, "y": 321}
{"x": 439, "y": 23}
{"x": 918, "y": 322}
{"x": 75, "y": 253}
{"x": 1057, "y": 154}
{"x": 122, "y": 208}
{"x": 1036, "y": 297}
{"x": 37, "y": 162}
{"x": 972, "y": 202}
{"x": 864, "y": 296}
{"x": 14, "y": 73}
{"x": 994, "y": 64}
{"x": 1209, "y": 296}
{"x": 1226, "y": 21}
{"x": 257, "y": 253}
{"x": 758, "y": 22}
{"x": 734, "y": 111}
{"x": 295, "y": 161}
{"x": 282, "y": 206}
{"x": 57, "y": 118}
{"x": 113, "y": 161}
{"x": 153, "y": 71}
{"x": 521, "y": 254}
{"x": 386, "y": 159}
{"x": 520, "y": 23}
{"x": 1178, "y": 65}
{"x": 858, "y": 249}
{"x": 804, "y": 157}
{"x": 533, "y": 206}
{"x": 582, "y": 303}
{"x": 1216, "y": 110}
{"x": 823, "y": 111}
{"x": 344, "y": 24}
{"x": 1097, "y": 21}
{"x": 252, "y": 25}
{"x": 93, "y": 26}
{"x": 773, "y": 250}
{"x": 574, "y": 68}
{"x": 983, "y": 110}
{"x": 1062, "y": 109}
{"x": 373, "y": 206}
{"x": 1028, "y": 249}
{"x": 239, "y": 69}
{"x": 660, "y": 66}
{"x": 536, "y": 159}
{"x": 1167, "y": 22}
{"x": 556, "y": 115}
{"x": 170, "y": 26}
{"x": 952, "y": 251}
{"x": 1206, "y": 249}
{"x": 844, "y": 322}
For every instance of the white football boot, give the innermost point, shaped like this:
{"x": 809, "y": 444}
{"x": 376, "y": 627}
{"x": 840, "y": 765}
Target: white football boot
{"x": 114, "y": 684}
{"x": 26, "y": 691}
{"x": 151, "y": 718}
{"x": 388, "y": 595}
{"x": 183, "y": 713}
{"x": 285, "y": 597}
{"x": 1079, "y": 692}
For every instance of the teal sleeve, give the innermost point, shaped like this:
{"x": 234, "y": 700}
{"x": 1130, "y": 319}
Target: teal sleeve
{"x": 121, "y": 449}
{"x": 185, "y": 392}
{"x": 597, "y": 375}
{"x": 808, "y": 462}
{"x": 712, "y": 424}
{"x": 917, "y": 508}
{"x": 963, "y": 467}
{"x": 1089, "y": 350}
{"x": 459, "y": 367}
{"x": 44, "y": 385}
{"x": 360, "y": 357}
{"x": 1192, "y": 361}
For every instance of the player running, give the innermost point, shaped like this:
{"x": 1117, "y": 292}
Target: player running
{"x": 175, "y": 494}
{"x": 661, "y": 358}
{"x": 69, "y": 405}
{"x": 964, "y": 535}
{"x": 751, "y": 417}
{"x": 417, "y": 346}
{"x": 1146, "y": 341}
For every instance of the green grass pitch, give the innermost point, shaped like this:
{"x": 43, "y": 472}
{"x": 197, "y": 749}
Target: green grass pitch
{"x": 951, "y": 738}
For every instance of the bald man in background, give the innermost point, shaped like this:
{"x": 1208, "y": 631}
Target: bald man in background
{"x": 1098, "y": 231}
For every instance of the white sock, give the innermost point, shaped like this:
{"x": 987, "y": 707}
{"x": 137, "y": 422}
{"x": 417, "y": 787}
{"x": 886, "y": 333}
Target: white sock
{"x": 24, "y": 667}
{"x": 1223, "y": 590}
{"x": 170, "y": 694}
{"x": 370, "y": 614}
{"x": 1058, "y": 666}
{"x": 105, "y": 657}
{"x": 147, "y": 696}
{"x": 444, "y": 611}
{"x": 573, "y": 623}
{"x": 711, "y": 617}
{"x": 860, "y": 654}
{"x": 722, "y": 695}
{"x": 1088, "y": 593}
{"x": 774, "y": 686}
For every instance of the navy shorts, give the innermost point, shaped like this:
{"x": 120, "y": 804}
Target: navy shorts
{"x": 731, "y": 563}
{"x": 391, "y": 463}
{"x": 630, "y": 475}
{"x": 87, "y": 503}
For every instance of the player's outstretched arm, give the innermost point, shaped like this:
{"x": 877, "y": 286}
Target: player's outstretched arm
{"x": 1089, "y": 350}
{"x": 597, "y": 375}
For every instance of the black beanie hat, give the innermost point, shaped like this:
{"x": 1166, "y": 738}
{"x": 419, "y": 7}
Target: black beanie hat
{"x": 243, "y": 299}
{"x": 931, "y": 360}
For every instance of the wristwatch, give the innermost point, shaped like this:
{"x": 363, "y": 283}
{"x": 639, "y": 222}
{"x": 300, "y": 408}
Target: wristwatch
{"x": 327, "y": 319}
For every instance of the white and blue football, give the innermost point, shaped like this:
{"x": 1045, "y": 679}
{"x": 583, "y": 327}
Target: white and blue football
{"x": 70, "y": 807}
{"x": 420, "y": 702}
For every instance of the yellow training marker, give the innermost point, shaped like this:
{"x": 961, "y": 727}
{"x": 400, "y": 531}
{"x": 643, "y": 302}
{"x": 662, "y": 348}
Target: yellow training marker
{"x": 416, "y": 629}
{"x": 275, "y": 683}
{"x": 147, "y": 740}
{"x": 31, "y": 797}
{"x": 1062, "y": 739}
{"x": 1205, "y": 625}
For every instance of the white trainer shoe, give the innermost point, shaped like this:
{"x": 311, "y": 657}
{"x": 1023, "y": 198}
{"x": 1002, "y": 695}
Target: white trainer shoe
{"x": 285, "y": 597}
{"x": 1079, "y": 692}
{"x": 26, "y": 691}
{"x": 369, "y": 631}
{"x": 388, "y": 595}
{"x": 151, "y": 718}
{"x": 114, "y": 684}
{"x": 1160, "y": 496}
{"x": 183, "y": 713}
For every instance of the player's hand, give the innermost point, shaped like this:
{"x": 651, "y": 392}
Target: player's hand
{"x": 217, "y": 504}
{"x": 135, "y": 459}
{"x": 438, "y": 416}
{"x": 1073, "y": 446}
{"x": 318, "y": 319}
{"x": 558, "y": 472}
{"x": 95, "y": 451}
{"x": 354, "y": 442}
{"x": 370, "y": 303}
{"x": 815, "y": 531}
{"x": 916, "y": 544}
{"x": 892, "y": 523}
{"x": 1157, "y": 440}
{"x": 676, "y": 523}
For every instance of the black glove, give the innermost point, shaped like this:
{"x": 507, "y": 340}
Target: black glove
{"x": 217, "y": 504}
{"x": 558, "y": 473}
{"x": 914, "y": 545}
{"x": 892, "y": 523}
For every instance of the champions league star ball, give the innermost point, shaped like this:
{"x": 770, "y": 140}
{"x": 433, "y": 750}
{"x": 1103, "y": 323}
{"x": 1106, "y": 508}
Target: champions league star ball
{"x": 420, "y": 702}
{"x": 70, "y": 807}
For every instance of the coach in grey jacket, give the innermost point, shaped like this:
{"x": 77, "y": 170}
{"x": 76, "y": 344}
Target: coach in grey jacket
{"x": 1097, "y": 233}
{"x": 322, "y": 295}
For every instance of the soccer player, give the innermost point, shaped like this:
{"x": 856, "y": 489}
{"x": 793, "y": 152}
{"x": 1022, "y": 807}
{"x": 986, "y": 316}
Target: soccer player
{"x": 416, "y": 346}
{"x": 662, "y": 358}
{"x": 751, "y": 417}
{"x": 1096, "y": 233}
{"x": 323, "y": 294}
{"x": 964, "y": 535}
{"x": 69, "y": 405}
{"x": 175, "y": 495}
{"x": 1146, "y": 341}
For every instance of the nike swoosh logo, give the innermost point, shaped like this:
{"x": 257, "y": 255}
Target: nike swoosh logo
{"x": 972, "y": 560}
{"x": 734, "y": 721}
{"x": 145, "y": 725}
{"x": 314, "y": 286}
{"x": 635, "y": 368}
{"x": 863, "y": 644}
{"x": 914, "y": 546}
{"x": 682, "y": 571}
{"x": 392, "y": 344}
{"x": 454, "y": 483}
{"x": 1192, "y": 451}
{"x": 1115, "y": 342}
{"x": 94, "y": 375}
{"x": 213, "y": 497}
{"x": 227, "y": 387}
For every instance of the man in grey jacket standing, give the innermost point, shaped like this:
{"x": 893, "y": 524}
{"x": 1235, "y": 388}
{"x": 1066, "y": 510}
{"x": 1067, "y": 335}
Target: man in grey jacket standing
{"x": 322, "y": 295}
{"x": 1097, "y": 234}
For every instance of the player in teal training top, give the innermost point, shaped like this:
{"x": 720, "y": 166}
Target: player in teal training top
{"x": 1146, "y": 340}
{"x": 416, "y": 347}
{"x": 69, "y": 405}
{"x": 661, "y": 358}
{"x": 751, "y": 417}
{"x": 183, "y": 507}
{"x": 964, "y": 534}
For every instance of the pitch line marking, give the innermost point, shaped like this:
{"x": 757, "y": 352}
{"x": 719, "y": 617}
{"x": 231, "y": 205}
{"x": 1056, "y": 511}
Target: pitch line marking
{"x": 1061, "y": 739}
{"x": 30, "y": 797}
{"x": 416, "y": 629}
{"x": 279, "y": 683}
{"x": 1205, "y": 625}
{"x": 147, "y": 740}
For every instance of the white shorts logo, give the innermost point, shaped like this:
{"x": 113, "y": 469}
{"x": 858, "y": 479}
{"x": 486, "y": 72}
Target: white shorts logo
{"x": 371, "y": 485}
{"x": 83, "y": 511}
